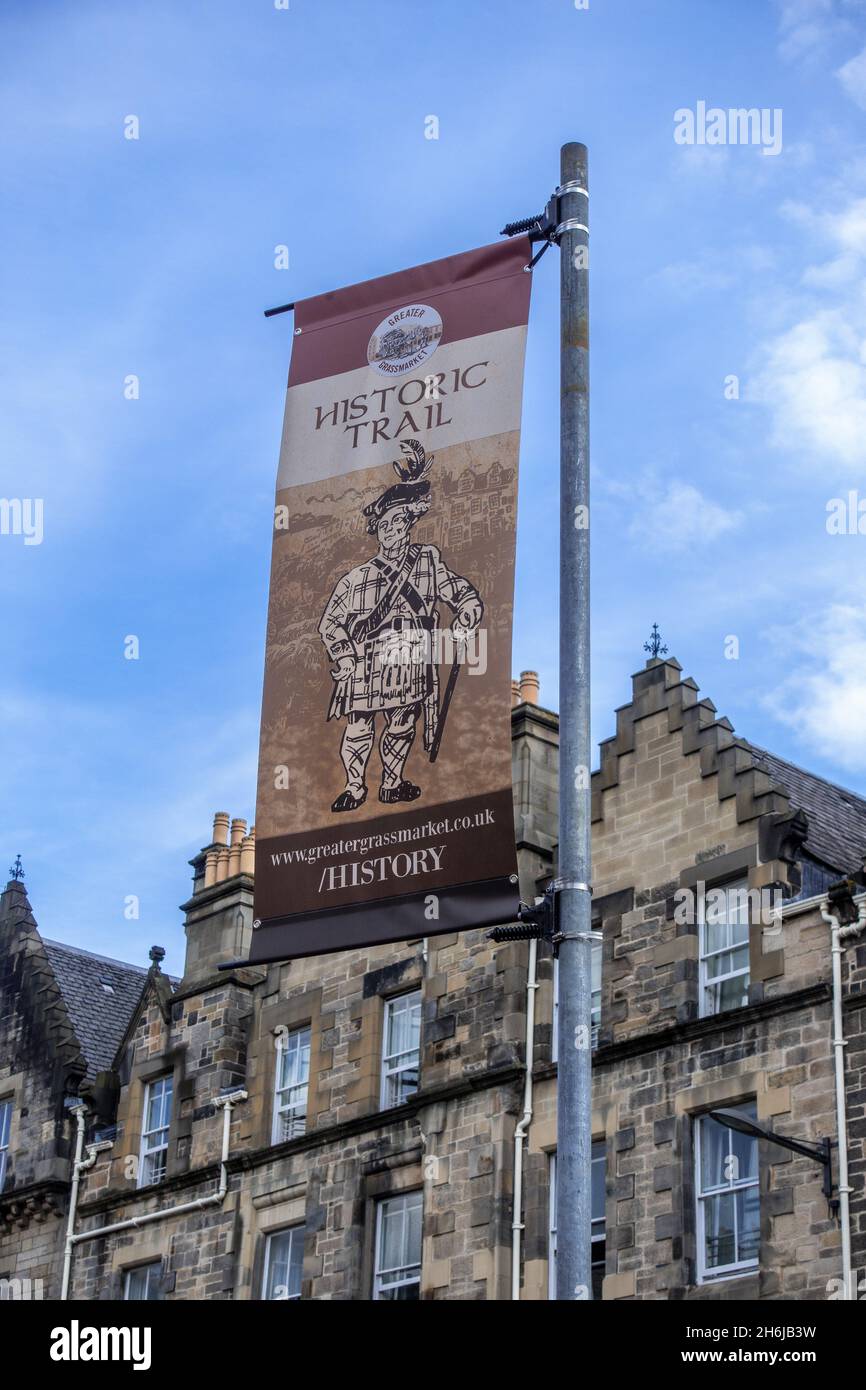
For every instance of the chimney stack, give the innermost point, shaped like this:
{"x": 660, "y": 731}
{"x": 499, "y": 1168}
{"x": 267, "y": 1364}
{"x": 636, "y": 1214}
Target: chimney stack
{"x": 529, "y": 687}
{"x": 219, "y": 915}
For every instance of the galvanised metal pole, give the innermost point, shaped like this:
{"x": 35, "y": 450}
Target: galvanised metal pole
{"x": 574, "y": 1113}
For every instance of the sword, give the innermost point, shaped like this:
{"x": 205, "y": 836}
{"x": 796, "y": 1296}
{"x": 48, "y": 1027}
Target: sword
{"x": 443, "y": 708}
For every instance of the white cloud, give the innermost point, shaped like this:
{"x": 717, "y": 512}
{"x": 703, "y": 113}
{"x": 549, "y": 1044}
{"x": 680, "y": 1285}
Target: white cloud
{"x": 814, "y": 383}
{"x": 823, "y": 695}
{"x": 672, "y": 511}
{"x": 805, "y": 25}
{"x": 811, "y": 375}
{"x": 695, "y": 277}
{"x": 702, "y": 161}
{"x": 852, "y": 75}
{"x": 715, "y": 271}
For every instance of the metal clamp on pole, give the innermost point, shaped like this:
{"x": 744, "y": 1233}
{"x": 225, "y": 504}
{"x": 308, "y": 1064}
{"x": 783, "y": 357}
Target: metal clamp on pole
{"x": 551, "y": 225}
{"x": 540, "y": 921}
{"x": 537, "y": 921}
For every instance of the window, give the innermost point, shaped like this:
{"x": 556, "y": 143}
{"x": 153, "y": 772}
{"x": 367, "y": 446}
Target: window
{"x": 154, "y": 1135}
{"x": 5, "y": 1126}
{"x": 728, "y": 1215}
{"x": 398, "y": 1248}
{"x": 401, "y": 1050}
{"x": 284, "y": 1264}
{"x": 598, "y": 1233}
{"x": 143, "y": 1282}
{"x": 723, "y": 923}
{"x": 292, "y": 1081}
{"x": 595, "y": 986}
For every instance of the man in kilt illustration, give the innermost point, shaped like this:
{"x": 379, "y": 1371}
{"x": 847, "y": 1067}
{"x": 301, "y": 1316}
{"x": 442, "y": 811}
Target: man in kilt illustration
{"x": 379, "y": 629}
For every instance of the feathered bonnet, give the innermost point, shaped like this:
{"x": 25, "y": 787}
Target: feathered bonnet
{"x": 411, "y": 469}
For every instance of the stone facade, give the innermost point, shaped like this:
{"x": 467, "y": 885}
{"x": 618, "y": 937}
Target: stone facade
{"x": 678, "y": 801}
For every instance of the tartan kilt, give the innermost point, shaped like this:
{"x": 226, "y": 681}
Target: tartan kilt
{"x": 393, "y": 669}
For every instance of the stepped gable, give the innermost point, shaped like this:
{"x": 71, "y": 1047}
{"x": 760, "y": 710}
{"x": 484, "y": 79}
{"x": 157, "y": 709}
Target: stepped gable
{"x": 803, "y": 808}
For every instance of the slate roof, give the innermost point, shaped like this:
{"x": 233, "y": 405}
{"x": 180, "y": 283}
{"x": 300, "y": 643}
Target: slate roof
{"x": 101, "y": 995}
{"x": 837, "y": 817}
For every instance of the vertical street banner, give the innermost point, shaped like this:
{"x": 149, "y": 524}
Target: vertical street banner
{"x": 384, "y": 807}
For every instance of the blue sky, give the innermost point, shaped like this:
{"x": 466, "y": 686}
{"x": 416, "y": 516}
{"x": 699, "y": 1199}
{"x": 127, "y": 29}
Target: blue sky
{"x": 155, "y": 257}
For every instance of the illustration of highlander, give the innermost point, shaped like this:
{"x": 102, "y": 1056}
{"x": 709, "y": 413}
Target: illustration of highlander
{"x": 379, "y": 628}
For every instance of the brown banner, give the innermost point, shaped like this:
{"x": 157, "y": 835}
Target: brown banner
{"x": 384, "y": 796}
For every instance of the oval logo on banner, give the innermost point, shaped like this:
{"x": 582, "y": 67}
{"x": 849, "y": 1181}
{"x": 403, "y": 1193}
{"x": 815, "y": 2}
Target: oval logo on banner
{"x": 404, "y": 340}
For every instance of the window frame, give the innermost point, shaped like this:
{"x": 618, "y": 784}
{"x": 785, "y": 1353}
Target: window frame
{"x": 598, "y": 1224}
{"x": 595, "y": 1000}
{"x": 6, "y": 1107}
{"x": 390, "y": 1073}
{"x": 741, "y": 1268}
{"x": 705, "y": 981}
{"x": 147, "y": 1151}
{"x": 393, "y": 1199}
{"x": 149, "y": 1268}
{"x": 281, "y": 1110}
{"x": 295, "y": 1231}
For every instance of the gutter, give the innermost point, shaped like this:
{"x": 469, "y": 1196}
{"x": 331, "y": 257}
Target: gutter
{"x": 819, "y": 900}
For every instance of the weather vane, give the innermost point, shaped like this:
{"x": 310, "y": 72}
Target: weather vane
{"x": 654, "y": 647}
{"x": 16, "y": 871}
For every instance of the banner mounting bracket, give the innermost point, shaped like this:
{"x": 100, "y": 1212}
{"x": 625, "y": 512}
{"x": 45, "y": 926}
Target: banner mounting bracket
{"x": 549, "y": 226}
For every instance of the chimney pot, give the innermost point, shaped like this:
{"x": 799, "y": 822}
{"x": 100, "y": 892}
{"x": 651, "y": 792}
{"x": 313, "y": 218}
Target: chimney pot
{"x": 210, "y": 868}
{"x": 515, "y": 693}
{"x": 529, "y": 687}
{"x": 239, "y": 830}
{"x": 248, "y": 854}
{"x": 222, "y": 864}
{"x": 221, "y": 828}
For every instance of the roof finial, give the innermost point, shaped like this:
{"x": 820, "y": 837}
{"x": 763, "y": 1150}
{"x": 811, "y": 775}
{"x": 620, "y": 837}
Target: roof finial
{"x": 16, "y": 872}
{"x": 157, "y": 955}
{"x": 654, "y": 646}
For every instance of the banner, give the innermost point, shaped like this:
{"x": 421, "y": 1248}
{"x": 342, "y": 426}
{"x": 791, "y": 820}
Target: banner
{"x": 384, "y": 806}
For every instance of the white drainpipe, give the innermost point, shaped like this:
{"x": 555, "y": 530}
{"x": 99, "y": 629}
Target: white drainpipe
{"x": 520, "y": 1131}
{"x": 79, "y": 1165}
{"x": 839, "y": 935}
{"x": 227, "y": 1103}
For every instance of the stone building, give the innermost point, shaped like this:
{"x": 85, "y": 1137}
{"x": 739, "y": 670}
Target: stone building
{"x": 352, "y": 1126}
